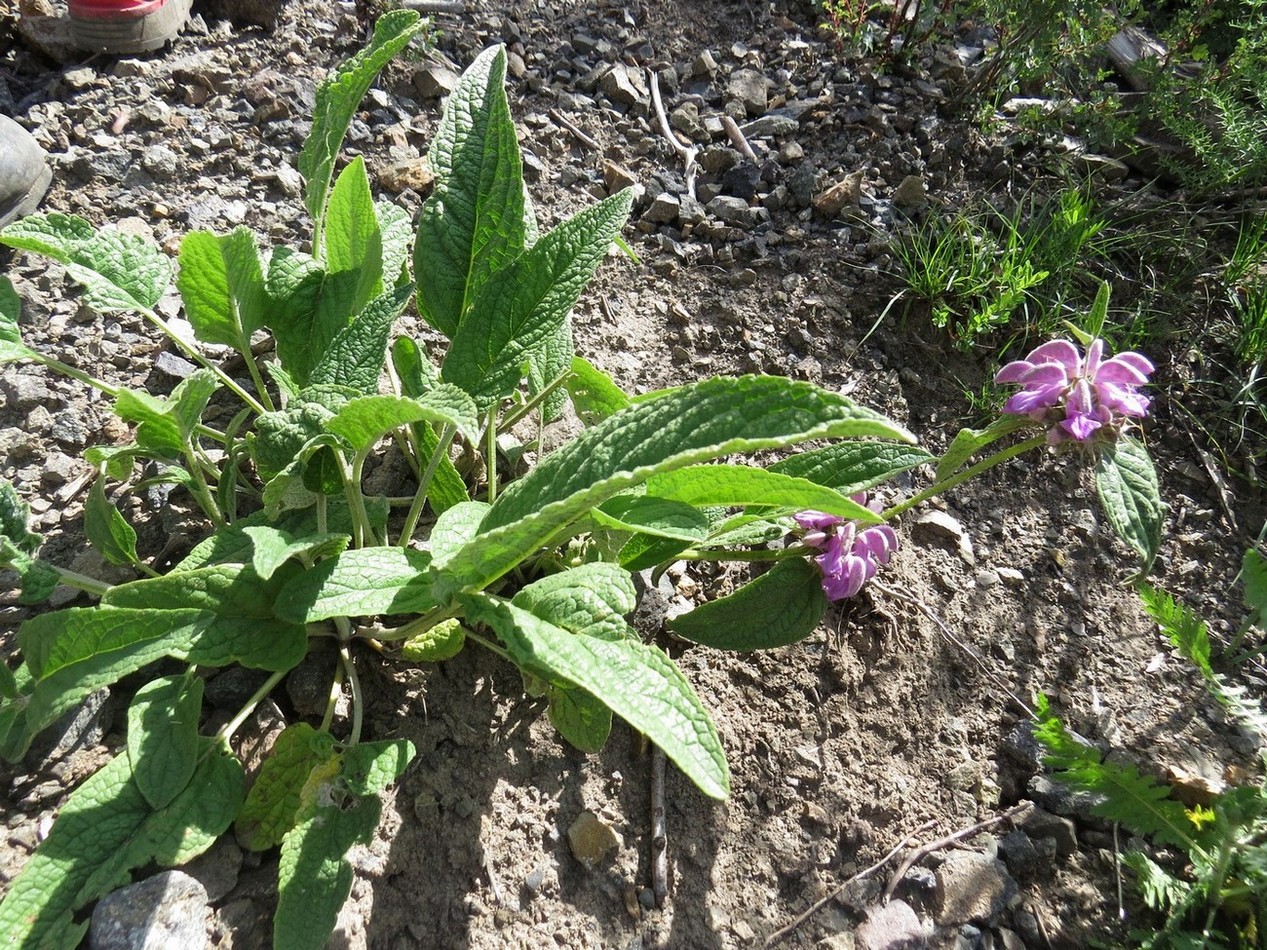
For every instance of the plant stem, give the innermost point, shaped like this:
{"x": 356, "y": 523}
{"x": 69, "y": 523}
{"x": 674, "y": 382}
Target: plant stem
{"x": 489, "y": 645}
{"x": 197, "y": 357}
{"x": 226, "y": 731}
{"x": 962, "y": 476}
{"x": 415, "y": 627}
{"x": 535, "y": 401}
{"x": 357, "y": 710}
{"x": 358, "y": 473}
{"x": 336, "y": 690}
{"x": 253, "y": 368}
{"x": 321, "y": 513}
{"x": 721, "y": 554}
{"x": 89, "y": 585}
{"x": 356, "y": 501}
{"x": 490, "y": 455}
{"x": 202, "y": 490}
{"x": 424, "y": 484}
{"x": 66, "y": 370}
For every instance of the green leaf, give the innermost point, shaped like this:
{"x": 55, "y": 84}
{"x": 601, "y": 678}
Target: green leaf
{"x": 1254, "y": 577}
{"x": 473, "y": 223}
{"x": 11, "y": 346}
{"x": 968, "y": 442}
{"x": 660, "y": 517}
{"x": 157, "y": 431}
{"x": 314, "y": 879}
{"x": 644, "y": 551}
{"x": 106, "y": 529}
{"x": 355, "y": 357}
{"x": 417, "y": 378}
{"x": 590, "y": 600}
{"x": 689, "y": 425}
{"x": 338, "y": 98}
{"x": 294, "y": 286}
{"x": 552, "y": 361}
{"x": 353, "y": 242}
{"x": 105, "y": 829}
{"x": 728, "y": 485}
{"x": 594, "y": 395}
{"x": 118, "y": 271}
{"x": 1180, "y": 626}
{"x": 636, "y": 681}
{"x": 851, "y": 467}
{"x": 396, "y": 226}
{"x": 270, "y": 807}
{"x": 163, "y": 743}
{"x": 416, "y": 373}
{"x": 15, "y": 516}
{"x": 780, "y": 607}
{"x": 444, "y": 641}
{"x": 1131, "y": 497}
{"x": 222, "y": 287}
{"x": 280, "y": 437}
{"x": 366, "y": 419}
{"x": 271, "y": 547}
{"x": 243, "y": 628}
{"x": 517, "y": 312}
{"x": 360, "y": 583}
{"x": 455, "y": 528}
{"x": 579, "y": 718}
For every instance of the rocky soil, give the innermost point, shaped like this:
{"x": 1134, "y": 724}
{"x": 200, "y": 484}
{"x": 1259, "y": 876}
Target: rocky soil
{"x": 904, "y": 713}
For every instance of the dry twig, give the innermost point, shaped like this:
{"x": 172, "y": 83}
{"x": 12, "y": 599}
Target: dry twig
{"x": 659, "y": 830}
{"x": 737, "y": 138}
{"x": 580, "y": 136}
{"x": 688, "y": 152}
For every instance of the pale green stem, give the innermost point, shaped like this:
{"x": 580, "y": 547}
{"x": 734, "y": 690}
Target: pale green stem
{"x": 490, "y": 455}
{"x": 336, "y": 690}
{"x": 89, "y": 585}
{"x": 214, "y": 434}
{"x": 256, "y": 377}
{"x": 65, "y": 370}
{"x": 489, "y": 645}
{"x": 226, "y": 731}
{"x": 197, "y": 357}
{"x": 424, "y": 484}
{"x": 960, "y": 477}
{"x": 356, "y": 501}
{"x": 721, "y": 554}
{"x": 535, "y": 401}
{"x": 202, "y": 490}
{"x": 357, "y": 711}
{"x": 415, "y": 627}
{"x": 358, "y": 473}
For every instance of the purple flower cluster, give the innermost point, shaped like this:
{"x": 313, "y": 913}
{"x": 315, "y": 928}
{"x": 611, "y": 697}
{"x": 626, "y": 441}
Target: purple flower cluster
{"x": 851, "y": 555}
{"x": 1082, "y": 399}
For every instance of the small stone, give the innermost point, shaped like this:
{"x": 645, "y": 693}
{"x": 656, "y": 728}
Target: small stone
{"x": 891, "y": 926}
{"x": 732, "y": 211}
{"x": 1018, "y": 853}
{"x": 289, "y": 180}
{"x": 161, "y": 162}
{"x": 1060, "y": 799}
{"x": 616, "y": 177}
{"x": 412, "y": 174}
{"x": 217, "y": 868}
{"x": 663, "y": 210}
{"x": 770, "y": 126}
{"x": 1040, "y": 824}
{"x": 971, "y": 887}
{"x": 685, "y": 118}
{"x": 435, "y": 80}
{"x": 623, "y": 85}
{"x": 791, "y": 152}
{"x": 987, "y": 579}
{"x": 750, "y": 88}
{"x": 910, "y": 193}
{"x": 26, "y": 392}
{"x": 839, "y": 196}
{"x": 591, "y": 840}
{"x": 162, "y": 911}
{"x": 1010, "y": 576}
{"x": 705, "y": 64}
{"x": 174, "y": 367}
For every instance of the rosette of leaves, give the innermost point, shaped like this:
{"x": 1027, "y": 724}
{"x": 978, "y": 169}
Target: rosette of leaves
{"x": 537, "y": 569}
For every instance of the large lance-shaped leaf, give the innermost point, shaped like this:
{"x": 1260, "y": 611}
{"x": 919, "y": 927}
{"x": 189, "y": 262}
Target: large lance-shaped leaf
{"x": 222, "y": 287}
{"x": 473, "y": 223}
{"x": 781, "y": 606}
{"x": 163, "y": 742}
{"x": 594, "y": 395}
{"x": 118, "y": 271}
{"x": 366, "y": 419}
{"x": 727, "y": 485}
{"x": 294, "y": 286}
{"x": 355, "y": 358}
{"x": 106, "y": 528}
{"x": 851, "y": 467}
{"x": 516, "y": 316}
{"x": 693, "y": 424}
{"x": 338, "y": 98}
{"x": 270, "y": 807}
{"x": 11, "y": 346}
{"x": 106, "y": 829}
{"x": 636, "y": 681}
{"x": 354, "y": 251}
{"x": 360, "y": 583}
{"x": 1131, "y": 497}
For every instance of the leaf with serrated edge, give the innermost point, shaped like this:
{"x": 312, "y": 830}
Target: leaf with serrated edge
{"x": 636, "y": 681}
{"x": 106, "y": 528}
{"x": 118, "y": 271}
{"x": 455, "y": 528}
{"x": 659, "y": 517}
{"x": 704, "y": 485}
{"x": 272, "y": 547}
{"x": 360, "y": 583}
{"x": 105, "y": 829}
{"x": 270, "y": 807}
{"x": 690, "y": 425}
{"x": 222, "y": 287}
{"x": 594, "y": 395}
{"x": 1131, "y": 497}
{"x": 781, "y": 606}
{"x": 338, "y": 98}
{"x": 579, "y": 718}
{"x": 473, "y": 223}
{"x": 355, "y": 358}
{"x": 519, "y": 310}
{"x": 163, "y": 741}
{"x": 396, "y": 226}
{"x": 851, "y": 467}
{"x": 366, "y": 419}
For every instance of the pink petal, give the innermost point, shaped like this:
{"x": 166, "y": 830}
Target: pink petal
{"x": 1058, "y": 351}
{"x": 1080, "y": 425}
{"x": 1046, "y": 374}
{"x": 1013, "y": 372}
{"x": 1118, "y": 370}
{"x": 816, "y": 519}
{"x": 1095, "y": 352}
{"x": 1137, "y": 360}
{"x": 1029, "y": 400}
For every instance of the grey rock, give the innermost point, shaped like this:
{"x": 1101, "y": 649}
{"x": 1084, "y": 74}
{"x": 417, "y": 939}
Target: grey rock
{"x": 840, "y": 195}
{"x": 705, "y": 64}
{"x": 84, "y": 725}
{"x": 742, "y": 180}
{"x": 685, "y": 118}
{"x": 1060, "y": 799}
{"x": 161, "y": 162}
{"x": 623, "y": 85}
{"x": 691, "y": 211}
{"x": 174, "y": 367}
{"x": 910, "y": 193}
{"x": 1040, "y": 824}
{"x": 719, "y": 159}
{"x": 70, "y": 428}
{"x": 750, "y": 88}
{"x": 25, "y": 392}
{"x": 664, "y": 209}
{"x": 233, "y": 687}
{"x": 1021, "y": 749}
{"x": 1008, "y": 939}
{"x": 732, "y": 211}
{"x": 971, "y": 887}
{"x": 770, "y": 126}
{"x": 435, "y": 80}
{"x": 217, "y": 868}
{"x": 892, "y": 926}
{"x": 163, "y": 911}
{"x": 1019, "y": 854}
{"x": 308, "y": 684}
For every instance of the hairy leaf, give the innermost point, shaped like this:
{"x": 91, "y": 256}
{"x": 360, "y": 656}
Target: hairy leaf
{"x": 359, "y": 583}
{"x": 417, "y": 378}
{"x": 271, "y": 547}
{"x": 728, "y": 485}
{"x": 780, "y": 607}
{"x": 353, "y": 242}
{"x": 851, "y": 467}
{"x": 366, "y": 419}
{"x": 579, "y": 717}
{"x": 1131, "y": 496}
{"x": 294, "y": 286}
{"x": 636, "y": 681}
{"x": 517, "y": 312}
{"x": 442, "y": 642}
{"x": 660, "y": 517}
{"x": 473, "y": 223}
{"x": 455, "y": 528}
{"x": 11, "y": 346}
{"x": 594, "y": 395}
{"x": 591, "y": 600}
{"x": 968, "y": 442}
{"x": 270, "y": 807}
{"x": 222, "y": 287}
{"x": 163, "y": 743}
{"x": 355, "y": 357}
{"x": 106, "y": 528}
{"x": 396, "y": 226}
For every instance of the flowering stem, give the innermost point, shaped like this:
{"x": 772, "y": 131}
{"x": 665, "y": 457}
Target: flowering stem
{"x": 721, "y": 554}
{"x": 962, "y": 476}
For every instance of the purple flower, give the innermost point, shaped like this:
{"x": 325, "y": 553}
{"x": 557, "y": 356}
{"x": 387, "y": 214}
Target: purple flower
{"x": 1080, "y": 398}
{"x": 851, "y": 555}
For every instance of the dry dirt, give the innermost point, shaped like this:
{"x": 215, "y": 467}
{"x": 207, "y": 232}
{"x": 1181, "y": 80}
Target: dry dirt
{"x": 839, "y": 746}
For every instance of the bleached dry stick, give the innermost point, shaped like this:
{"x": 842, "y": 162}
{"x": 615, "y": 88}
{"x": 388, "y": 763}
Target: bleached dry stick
{"x": 659, "y": 830}
{"x": 737, "y": 138}
{"x": 688, "y": 152}
{"x": 581, "y": 137}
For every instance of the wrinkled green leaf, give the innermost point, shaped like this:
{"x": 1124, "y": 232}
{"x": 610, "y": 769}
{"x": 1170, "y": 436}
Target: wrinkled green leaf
{"x": 781, "y": 606}
{"x": 728, "y": 485}
{"x": 366, "y": 419}
{"x": 11, "y": 346}
{"x": 636, "y": 681}
{"x": 473, "y": 223}
{"x": 579, "y": 718}
{"x": 396, "y": 226}
{"x": 281, "y": 436}
{"x": 294, "y": 285}
{"x": 517, "y": 312}
{"x": 591, "y": 600}
{"x": 1254, "y": 577}
{"x": 355, "y": 357}
{"x": 442, "y": 642}
{"x": 359, "y": 583}
{"x": 222, "y": 286}
{"x": 455, "y": 528}
{"x": 851, "y": 467}
{"x": 417, "y": 378}
{"x": 1131, "y": 497}
{"x": 353, "y": 242}
{"x": 163, "y": 742}
{"x": 106, "y": 528}
{"x": 271, "y": 547}
{"x": 270, "y": 807}
{"x": 968, "y": 442}
{"x": 660, "y": 517}
{"x": 594, "y": 395}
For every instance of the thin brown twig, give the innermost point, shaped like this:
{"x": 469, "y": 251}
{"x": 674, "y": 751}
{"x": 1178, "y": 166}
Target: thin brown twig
{"x": 577, "y": 133}
{"x": 822, "y": 902}
{"x": 688, "y": 152}
{"x": 922, "y": 852}
{"x": 659, "y": 830}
